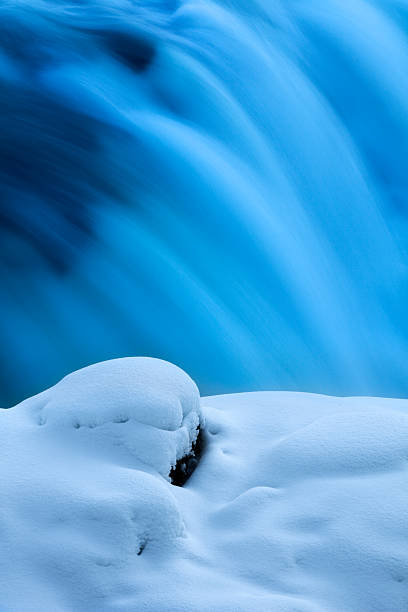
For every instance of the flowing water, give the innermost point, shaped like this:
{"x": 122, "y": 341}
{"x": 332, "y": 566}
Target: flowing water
{"x": 222, "y": 184}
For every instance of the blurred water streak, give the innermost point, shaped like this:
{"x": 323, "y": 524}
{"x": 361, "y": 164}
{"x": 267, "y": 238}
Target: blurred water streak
{"x": 220, "y": 184}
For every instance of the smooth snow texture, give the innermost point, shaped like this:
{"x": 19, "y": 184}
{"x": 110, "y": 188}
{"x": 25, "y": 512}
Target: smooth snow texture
{"x": 299, "y": 503}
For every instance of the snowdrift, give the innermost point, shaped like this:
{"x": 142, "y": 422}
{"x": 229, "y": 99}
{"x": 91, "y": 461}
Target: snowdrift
{"x": 298, "y": 503}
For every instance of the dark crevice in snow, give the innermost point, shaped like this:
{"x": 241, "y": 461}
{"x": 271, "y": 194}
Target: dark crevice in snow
{"x": 121, "y": 419}
{"x": 187, "y": 464}
{"x": 142, "y": 546}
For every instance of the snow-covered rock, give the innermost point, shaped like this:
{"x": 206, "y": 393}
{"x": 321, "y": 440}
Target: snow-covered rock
{"x": 299, "y": 502}
{"x": 159, "y": 403}
{"x": 84, "y": 478}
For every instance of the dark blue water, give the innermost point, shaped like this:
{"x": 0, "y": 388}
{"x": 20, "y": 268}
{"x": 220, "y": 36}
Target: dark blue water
{"x": 221, "y": 184}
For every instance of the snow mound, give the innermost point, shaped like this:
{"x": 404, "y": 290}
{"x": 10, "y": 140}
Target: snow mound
{"x": 299, "y": 502}
{"x": 157, "y": 401}
{"x": 84, "y": 481}
{"x": 315, "y": 513}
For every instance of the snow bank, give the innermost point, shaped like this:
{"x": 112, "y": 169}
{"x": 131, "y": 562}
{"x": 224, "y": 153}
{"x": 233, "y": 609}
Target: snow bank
{"x": 84, "y": 481}
{"x": 299, "y": 503}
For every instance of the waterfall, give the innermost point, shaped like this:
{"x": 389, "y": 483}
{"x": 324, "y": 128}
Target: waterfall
{"x": 221, "y": 184}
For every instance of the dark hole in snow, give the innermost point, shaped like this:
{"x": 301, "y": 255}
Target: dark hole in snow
{"x": 121, "y": 419}
{"x": 187, "y": 464}
{"x": 141, "y": 548}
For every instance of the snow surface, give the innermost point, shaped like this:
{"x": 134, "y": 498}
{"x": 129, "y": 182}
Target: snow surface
{"x": 299, "y": 502}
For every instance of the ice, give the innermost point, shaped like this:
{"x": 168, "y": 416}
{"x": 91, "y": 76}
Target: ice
{"x": 298, "y": 504}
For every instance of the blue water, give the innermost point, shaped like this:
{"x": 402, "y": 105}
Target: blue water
{"x": 220, "y": 184}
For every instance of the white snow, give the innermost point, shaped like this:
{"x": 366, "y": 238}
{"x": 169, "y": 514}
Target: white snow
{"x": 299, "y": 503}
